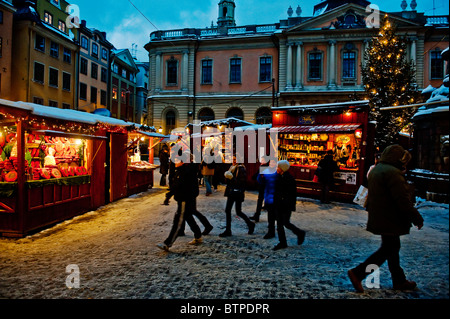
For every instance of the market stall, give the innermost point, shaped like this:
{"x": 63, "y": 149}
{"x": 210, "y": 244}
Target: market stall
{"x": 52, "y": 164}
{"x": 307, "y": 132}
{"x": 140, "y": 168}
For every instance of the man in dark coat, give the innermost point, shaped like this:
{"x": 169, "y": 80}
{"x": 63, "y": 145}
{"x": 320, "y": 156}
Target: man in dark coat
{"x": 164, "y": 164}
{"x": 185, "y": 189}
{"x": 325, "y": 170}
{"x": 391, "y": 213}
{"x": 285, "y": 200}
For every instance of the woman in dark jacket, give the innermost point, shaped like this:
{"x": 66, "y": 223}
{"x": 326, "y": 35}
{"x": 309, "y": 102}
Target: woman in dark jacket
{"x": 285, "y": 201}
{"x": 236, "y": 178}
{"x": 391, "y": 213}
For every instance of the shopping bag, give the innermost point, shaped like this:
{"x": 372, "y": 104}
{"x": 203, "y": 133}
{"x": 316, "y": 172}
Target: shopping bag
{"x": 361, "y": 196}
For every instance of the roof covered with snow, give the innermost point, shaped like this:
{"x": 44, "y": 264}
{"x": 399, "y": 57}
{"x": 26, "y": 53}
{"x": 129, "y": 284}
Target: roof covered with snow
{"x": 67, "y": 114}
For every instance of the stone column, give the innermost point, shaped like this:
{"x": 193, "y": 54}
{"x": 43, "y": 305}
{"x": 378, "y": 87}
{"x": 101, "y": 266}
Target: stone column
{"x": 185, "y": 68}
{"x": 289, "y": 67}
{"x": 158, "y": 72}
{"x": 299, "y": 69}
{"x": 332, "y": 65}
{"x": 413, "y": 49}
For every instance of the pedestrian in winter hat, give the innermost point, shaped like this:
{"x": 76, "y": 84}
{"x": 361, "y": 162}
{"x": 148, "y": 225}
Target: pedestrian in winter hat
{"x": 284, "y": 165}
{"x": 391, "y": 213}
{"x": 285, "y": 200}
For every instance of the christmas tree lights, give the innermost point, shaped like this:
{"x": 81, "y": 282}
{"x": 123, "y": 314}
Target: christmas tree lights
{"x": 389, "y": 80}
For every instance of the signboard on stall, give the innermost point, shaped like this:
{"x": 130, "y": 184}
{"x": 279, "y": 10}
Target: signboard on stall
{"x": 349, "y": 178}
{"x": 306, "y": 119}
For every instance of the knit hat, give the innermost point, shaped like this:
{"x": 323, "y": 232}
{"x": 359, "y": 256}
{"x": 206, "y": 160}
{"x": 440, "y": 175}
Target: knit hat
{"x": 228, "y": 175}
{"x": 284, "y": 165}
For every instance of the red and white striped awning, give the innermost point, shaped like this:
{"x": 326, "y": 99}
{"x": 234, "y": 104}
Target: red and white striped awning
{"x": 317, "y": 128}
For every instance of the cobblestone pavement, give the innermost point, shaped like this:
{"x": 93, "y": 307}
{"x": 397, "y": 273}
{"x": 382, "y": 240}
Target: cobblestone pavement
{"x": 114, "y": 250}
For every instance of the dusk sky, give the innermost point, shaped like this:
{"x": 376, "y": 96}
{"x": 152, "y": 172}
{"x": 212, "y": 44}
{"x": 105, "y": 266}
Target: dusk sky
{"x": 126, "y": 26}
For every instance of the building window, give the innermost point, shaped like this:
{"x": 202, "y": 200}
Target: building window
{"x": 53, "y": 77}
{"x": 83, "y": 91}
{"x": 48, "y": 18}
{"x": 172, "y": 72}
{"x": 54, "y": 49}
{"x": 114, "y": 93}
{"x": 104, "y": 75}
{"x": 115, "y": 68}
{"x": 62, "y": 26}
{"x": 39, "y": 72}
{"x": 67, "y": 55}
{"x": 66, "y": 106}
{"x": 207, "y": 71}
{"x": 124, "y": 73}
{"x": 93, "y": 95}
{"x": 170, "y": 121}
{"x": 66, "y": 81}
{"x": 265, "y": 69}
{"x": 236, "y": 113}
{"x": 103, "y": 97}
{"x": 85, "y": 43}
{"x": 94, "y": 70}
{"x": 436, "y": 64}
{"x": 52, "y": 103}
{"x": 1, "y": 17}
{"x": 83, "y": 66}
{"x": 235, "y": 70}
{"x": 1, "y": 46}
{"x": 349, "y": 65}
{"x": 39, "y": 43}
{"x": 38, "y": 100}
{"x": 315, "y": 65}
{"x": 263, "y": 116}
{"x": 206, "y": 114}
{"x": 95, "y": 50}
{"x": 104, "y": 54}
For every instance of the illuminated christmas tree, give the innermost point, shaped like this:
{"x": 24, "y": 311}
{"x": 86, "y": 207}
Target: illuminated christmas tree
{"x": 389, "y": 80}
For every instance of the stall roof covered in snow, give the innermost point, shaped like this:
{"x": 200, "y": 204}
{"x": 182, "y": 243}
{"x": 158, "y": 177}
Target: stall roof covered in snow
{"x": 66, "y": 114}
{"x": 322, "y": 106}
{"x": 219, "y": 122}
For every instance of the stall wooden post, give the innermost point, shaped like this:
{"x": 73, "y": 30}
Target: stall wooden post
{"x": 21, "y": 198}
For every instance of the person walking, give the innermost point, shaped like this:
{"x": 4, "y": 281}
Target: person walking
{"x": 268, "y": 178}
{"x": 325, "y": 170}
{"x": 163, "y": 164}
{"x": 261, "y": 189}
{"x": 235, "y": 192}
{"x": 186, "y": 190}
{"x": 285, "y": 200}
{"x": 391, "y": 213}
{"x": 170, "y": 193}
{"x": 208, "y": 170}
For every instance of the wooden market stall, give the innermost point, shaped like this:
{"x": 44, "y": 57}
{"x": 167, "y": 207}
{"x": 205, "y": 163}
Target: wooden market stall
{"x": 213, "y": 134}
{"x": 52, "y": 163}
{"x": 140, "y": 169}
{"x": 305, "y": 134}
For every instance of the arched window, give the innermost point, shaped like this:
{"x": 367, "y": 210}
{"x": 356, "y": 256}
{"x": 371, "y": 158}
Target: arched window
{"x": 236, "y": 113}
{"x": 263, "y": 116}
{"x": 206, "y": 114}
{"x": 170, "y": 121}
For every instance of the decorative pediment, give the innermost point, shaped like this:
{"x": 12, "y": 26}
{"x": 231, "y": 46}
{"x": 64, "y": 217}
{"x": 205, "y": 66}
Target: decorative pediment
{"x": 348, "y": 16}
{"x": 350, "y": 20}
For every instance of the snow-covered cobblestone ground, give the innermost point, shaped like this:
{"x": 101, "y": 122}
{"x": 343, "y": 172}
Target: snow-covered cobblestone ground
{"x": 114, "y": 248}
